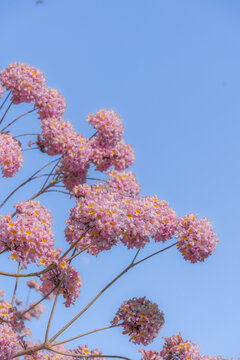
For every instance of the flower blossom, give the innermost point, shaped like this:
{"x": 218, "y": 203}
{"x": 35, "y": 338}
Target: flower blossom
{"x": 142, "y": 320}
{"x": 109, "y": 126}
{"x": 33, "y": 284}
{"x": 84, "y": 350}
{"x": 123, "y": 182}
{"x": 9, "y": 342}
{"x": 147, "y": 217}
{"x": 10, "y": 315}
{"x": 150, "y": 355}
{"x": 29, "y": 237}
{"x": 24, "y": 81}
{"x": 97, "y": 214}
{"x": 55, "y": 135}
{"x": 197, "y": 239}
{"x": 51, "y": 103}
{"x": 176, "y": 348}
{"x": 11, "y": 157}
{"x": 120, "y": 156}
{"x": 35, "y": 312}
{"x": 65, "y": 277}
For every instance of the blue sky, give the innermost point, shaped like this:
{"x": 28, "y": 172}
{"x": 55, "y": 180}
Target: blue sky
{"x": 171, "y": 70}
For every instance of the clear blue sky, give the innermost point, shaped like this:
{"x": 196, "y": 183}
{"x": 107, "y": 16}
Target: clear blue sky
{"x": 171, "y": 70}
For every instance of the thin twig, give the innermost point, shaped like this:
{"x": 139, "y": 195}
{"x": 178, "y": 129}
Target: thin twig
{"x": 78, "y": 253}
{"x": 19, "y": 117}
{"x": 55, "y": 301}
{"x": 75, "y": 243}
{"x": 52, "y": 312}
{"x": 5, "y": 100}
{"x": 35, "y": 148}
{"x": 3, "y": 251}
{"x": 33, "y": 176}
{"x": 50, "y": 267}
{"x": 60, "y": 191}
{"x": 38, "y": 302}
{"x": 16, "y": 284}
{"x": 131, "y": 265}
{"x": 93, "y": 135}
{"x": 96, "y": 179}
{"x": 157, "y": 252}
{"x": 6, "y": 112}
{"x": 51, "y": 172}
{"x": 91, "y": 303}
{"x": 87, "y": 333}
{"x": 17, "y": 136}
{"x": 136, "y": 256}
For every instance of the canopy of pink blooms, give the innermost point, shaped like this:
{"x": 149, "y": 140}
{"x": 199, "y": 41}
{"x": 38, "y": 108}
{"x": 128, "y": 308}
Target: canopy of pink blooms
{"x": 104, "y": 214}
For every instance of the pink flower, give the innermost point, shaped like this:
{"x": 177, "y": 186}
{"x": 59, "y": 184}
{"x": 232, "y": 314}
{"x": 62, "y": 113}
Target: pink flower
{"x": 84, "y": 350}
{"x": 121, "y": 156}
{"x": 97, "y": 212}
{"x": 34, "y": 312}
{"x": 51, "y": 103}
{"x": 10, "y": 315}
{"x": 67, "y": 278}
{"x": 33, "y": 284}
{"x": 109, "y": 126}
{"x": 9, "y": 342}
{"x": 150, "y": 355}
{"x": 29, "y": 237}
{"x": 123, "y": 182}
{"x": 145, "y": 218}
{"x": 24, "y": 81}
{"x": 142, "y": 320}
{"x": 176, "y": 348}
{"x": 11, "y": 157}
{"x": 197, "y": 239}
{"x": 56, "y": 134}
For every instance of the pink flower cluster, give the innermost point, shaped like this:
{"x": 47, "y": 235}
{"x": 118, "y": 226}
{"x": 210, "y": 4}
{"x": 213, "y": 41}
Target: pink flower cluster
{"x": 123, "y": 182}
{"x": 55, "y": 135}
{"x": 84, "y": 350}
{"x": 109, "y": 126}
{"x": 147, "y": 217}
{"x": 10, "y": 315}
{"x": 176, "y": 348}
{"x": 142, "y": 320}
{"x": 64, "y": 277}
{"x": 197, "y": 239}
{"x": 50, "y": 103}
{"x": 98, "y": 213}
{"x": 29, "y": 237}
{"x": 9, "y": 342}
{"x": 33, "y": 284}
{"x": 11, "y": 157}
{"x": 24, "y": 81}
{"x": 27, "y": 84}
{"x": 35, "y": 312}
{"x": 150, "y": 355}
{"x": 120, "y": 156}
{"x": 108, "y": 217}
